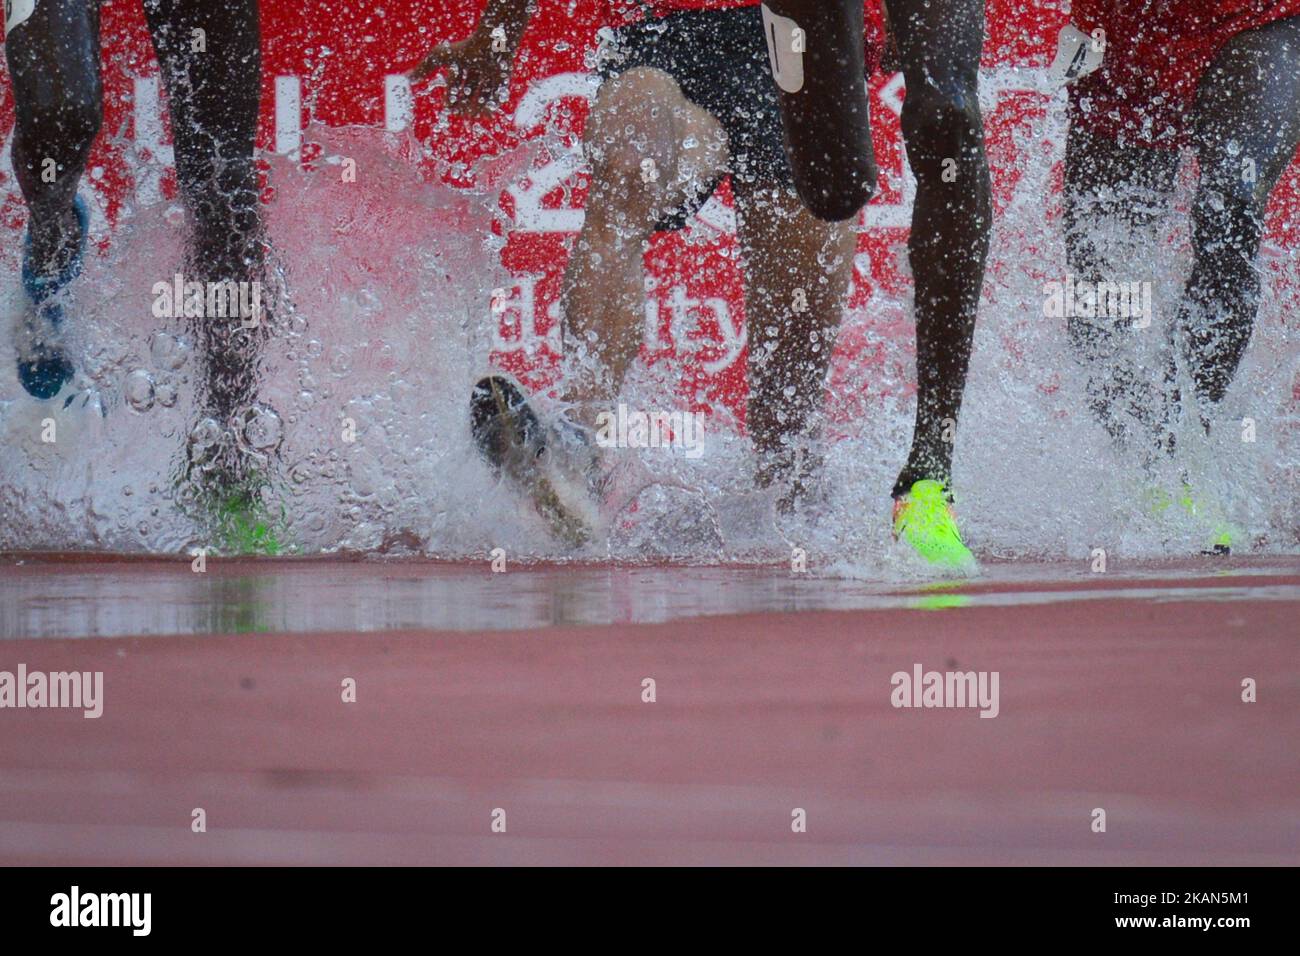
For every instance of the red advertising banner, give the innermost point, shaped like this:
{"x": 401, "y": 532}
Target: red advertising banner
{"x": 342, "y": 67}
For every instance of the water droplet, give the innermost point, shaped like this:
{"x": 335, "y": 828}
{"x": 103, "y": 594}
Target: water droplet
{"x": 138, "y": 390}
{"x": 260, "y": 428}
{"x": 204, "y": 439}
{"x": 169, "y": 352}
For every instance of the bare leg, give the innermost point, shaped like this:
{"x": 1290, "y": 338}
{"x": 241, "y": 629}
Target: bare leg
{"x": 1247, "y": 128}
{"x": 1246, "y": 110}
{"x": 824, "y": 110}
{"x": 939, "y": 43}
{"x": 641, "y": 170}
{"x": 1115, "y": 195}
{"x": 211, "y": 65}
{"x": 797, "y": 271}
{"x": 54, "y": 64}
{"x": 210, "y": 56}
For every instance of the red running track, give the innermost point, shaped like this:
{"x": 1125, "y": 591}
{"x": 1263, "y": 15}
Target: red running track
{"x": 222, "y": 691}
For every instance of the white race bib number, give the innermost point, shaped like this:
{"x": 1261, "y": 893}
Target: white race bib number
{"x": 1077, "y": 54}
{"x": 786, "y": 43}
{"x": 16, "y": 11}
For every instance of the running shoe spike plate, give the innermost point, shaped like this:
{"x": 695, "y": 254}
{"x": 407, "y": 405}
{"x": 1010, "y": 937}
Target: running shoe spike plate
{"x": 554, "y": 467}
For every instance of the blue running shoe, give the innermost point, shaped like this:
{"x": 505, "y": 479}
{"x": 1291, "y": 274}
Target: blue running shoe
{"x": 43, "y": 365}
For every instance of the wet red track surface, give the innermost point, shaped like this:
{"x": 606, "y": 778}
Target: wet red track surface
{"x": 523, "y": 692}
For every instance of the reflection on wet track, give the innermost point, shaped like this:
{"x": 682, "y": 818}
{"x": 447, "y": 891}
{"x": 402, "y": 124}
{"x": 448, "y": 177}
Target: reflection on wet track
{"x": 79, "y": 596}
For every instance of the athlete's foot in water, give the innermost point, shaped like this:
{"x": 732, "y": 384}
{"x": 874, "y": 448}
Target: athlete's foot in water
{"x": 44, "y": 363}
{"x": 239, "y": 517}
{"x": 228, "y": 483}
{"x": 925, "y": 522}
{"x": 796, "y": 475}
{"x": 244, "y": 522}
{"x": 1199, "y": 509}
{"x": 229, "y": 476}
{"x": 553, "y": 462}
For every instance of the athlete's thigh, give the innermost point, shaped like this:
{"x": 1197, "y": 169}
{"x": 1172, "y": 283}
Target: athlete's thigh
{"x": 210, "y": 55}
{"x": 53, "y": 57}
{"x": 939, "y": 41}
{"x": 648, "y": 144}
{"x": 1247, "y": 112}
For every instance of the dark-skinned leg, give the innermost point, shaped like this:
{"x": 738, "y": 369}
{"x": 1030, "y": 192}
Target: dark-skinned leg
{"x": 1247, "y": 127}
{"x": 797, "y": 272}
{"x": 210, "y": 56}
{"x": 53, "y": 58}
{"x": 211, "y": 65}
{"x": 1115, "y": 197}
{"x": 939, "y": 43}
{"x": 53, "y": 61}
{"x": 822, "y": 93}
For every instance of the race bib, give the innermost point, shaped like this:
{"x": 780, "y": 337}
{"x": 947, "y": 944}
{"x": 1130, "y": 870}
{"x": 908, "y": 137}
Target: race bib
{"x": 1077, "y": 54}
{"x": 16, "y": 11}
{"x": 786, "y": 43}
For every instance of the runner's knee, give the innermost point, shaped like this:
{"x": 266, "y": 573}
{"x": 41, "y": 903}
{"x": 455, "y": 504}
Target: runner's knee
{"x": 1237, "y": 181}
{"x": 61, "y": 128}
{"x": 941, "y": 120}
{"x": 648, "y": 144}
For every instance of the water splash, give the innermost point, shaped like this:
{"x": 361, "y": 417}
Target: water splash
{"x": 383, "y": 324}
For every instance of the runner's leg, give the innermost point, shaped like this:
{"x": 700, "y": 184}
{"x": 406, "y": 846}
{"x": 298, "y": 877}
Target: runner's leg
{"x": 650, "y": 149}
{"x": 1115, "y": 197}
{"x": 53, "y": 61}
{"x": 1247, "y": 127}
{"x": 939, "y": 42}
{"x": 214, "y": 95}
{"x": 821, "y": 85}
{"x": 797, "y": 272}
{"x": 210, "y": 56}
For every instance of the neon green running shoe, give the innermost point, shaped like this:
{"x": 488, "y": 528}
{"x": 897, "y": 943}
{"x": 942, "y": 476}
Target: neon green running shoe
{"x": 1220, "y": 531}
{"x": 924, "y": 519}
{"x": 244, "y": 526}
